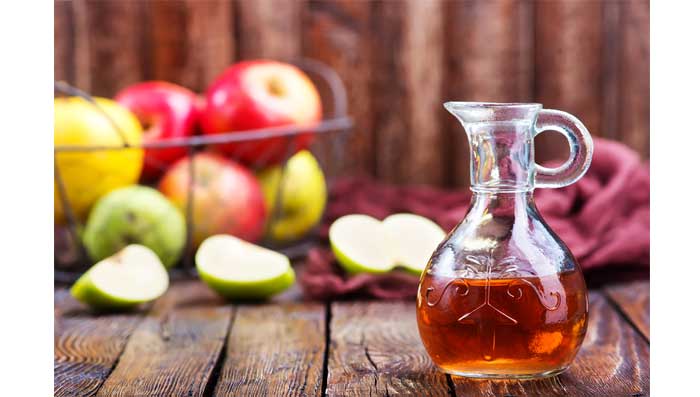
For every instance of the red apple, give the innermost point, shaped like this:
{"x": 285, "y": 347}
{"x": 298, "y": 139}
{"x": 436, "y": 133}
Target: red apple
{"x": 260, "y": 94}
{"x": 166, "y": 111}
{"x": 227, "y": 197}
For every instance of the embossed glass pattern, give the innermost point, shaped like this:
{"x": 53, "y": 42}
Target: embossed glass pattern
{"x": 502, "y": 295}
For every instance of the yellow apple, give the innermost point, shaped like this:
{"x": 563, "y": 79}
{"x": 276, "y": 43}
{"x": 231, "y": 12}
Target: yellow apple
{"x": 88, "y": 175}
{"x": 303, "y": 197}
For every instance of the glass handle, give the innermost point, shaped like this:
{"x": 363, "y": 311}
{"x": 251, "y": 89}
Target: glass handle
{"x": 580, "y": 149}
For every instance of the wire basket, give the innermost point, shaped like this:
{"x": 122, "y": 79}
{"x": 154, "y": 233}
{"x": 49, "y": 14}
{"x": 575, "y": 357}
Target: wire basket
{"x": 330, "y": 135}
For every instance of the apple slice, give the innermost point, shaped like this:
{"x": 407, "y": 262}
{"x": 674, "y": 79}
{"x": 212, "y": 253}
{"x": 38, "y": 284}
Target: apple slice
{"x": 237, "y": 269}
{"x": 361, "y": 244}
{"x": 364, "y": 244}
{"x": 130, "y": 277}
{"x": 415, "y": 238}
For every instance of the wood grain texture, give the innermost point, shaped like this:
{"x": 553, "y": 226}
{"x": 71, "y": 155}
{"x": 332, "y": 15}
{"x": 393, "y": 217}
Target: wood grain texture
{"x": 114, "y": 34}
{"x": 375, "y": 350}
{"x": 86, "y": 345}
{"x": 85, "y": 351}
{"x": 626, "y": 74}
{"x": 338, "y": 34}
{"x": 611, "y": 70}
{"x": 407, "y": 91}
{"x": 634, "y": 65}
{"x": 175, "y": 348}
{"x": 613, "y": 361}
{"x": 192, "y": 40}
{"x": 81, "y": 77}
{"x": 63, "y": 66}
{"x": 633, "y": 300}
{"x": 274, "y": 350}
{"x": 568, "y": 66}
{"x": 388, "y": 91}
{"x": 423, "y": 60}
{"x": 278, "y": 349}
{"x": 489, "y": 59}
{"x": 268, "y": 29}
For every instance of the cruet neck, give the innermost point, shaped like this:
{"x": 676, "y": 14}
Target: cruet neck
{"x": 501, "y": 144}
{"x": 501, "y": 204}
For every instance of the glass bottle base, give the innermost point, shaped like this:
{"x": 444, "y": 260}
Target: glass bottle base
{"x": 503, "y": 375}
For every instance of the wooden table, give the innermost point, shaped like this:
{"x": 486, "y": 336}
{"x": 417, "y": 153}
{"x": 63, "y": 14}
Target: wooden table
{"x": 191, "y": 343}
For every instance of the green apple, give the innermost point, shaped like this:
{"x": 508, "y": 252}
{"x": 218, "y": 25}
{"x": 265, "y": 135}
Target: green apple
{"x": 237, "y": 269}
{"x": 135, "y": 215}
{"x": 363, "y": 244}
{"x": 132, "y": 276}
{"x": 303, "y": 197}
{"x": 415, "y": 238}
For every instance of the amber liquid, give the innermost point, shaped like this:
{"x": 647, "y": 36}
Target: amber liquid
{"x": 503, "y": 327}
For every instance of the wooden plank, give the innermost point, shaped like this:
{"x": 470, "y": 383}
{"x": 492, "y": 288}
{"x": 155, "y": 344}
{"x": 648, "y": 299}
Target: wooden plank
{"x": 86, "y": 346}
{"x": 268, "y": 29}
{"x": 63, "y": 66}
{"x": 407, "y": 91}
{"x": 114, "y": 32}
{"x": 626, "y": 76}
{"x": 338, "y": 34}
{"x": 375, "y": 350}
{"x": 489, "y": 59}
{"x": 613, "y": 361}
{"x": 192, "y": 41}
{"x": 633, "y": 300}
{"x": 634, "y": 75}
{"x": 611, "y": 70}
{"x": 423, "y": 65}
{"x": 81, "y": 46}
{"x": 175, "y": 348}
{"x": 275, "y": 350}
{"x": 568, "y": 66}
{"x": 388, "y": 90}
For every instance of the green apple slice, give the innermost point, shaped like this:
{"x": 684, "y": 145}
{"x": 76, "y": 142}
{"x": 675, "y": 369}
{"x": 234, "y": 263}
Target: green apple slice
{"x": 361, "y": 244}
{"x": 236, "y": 269}
{"x": 415, "y": 238}
{"x": 128, "y": 278}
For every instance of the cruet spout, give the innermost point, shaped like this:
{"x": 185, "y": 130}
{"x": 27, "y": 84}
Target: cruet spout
{"x": 501, "y": 142}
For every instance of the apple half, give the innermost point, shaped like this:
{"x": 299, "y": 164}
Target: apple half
{"x": 363, "y": 244}
{"x": 126, "y": 279}
{"x": 236, "y": 269}
{"x": 415, "y": 238}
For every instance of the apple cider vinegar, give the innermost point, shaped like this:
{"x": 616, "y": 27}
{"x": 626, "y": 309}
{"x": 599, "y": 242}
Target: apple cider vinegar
{"x": 502, "y": 326}
{"x": 502, "y": 296}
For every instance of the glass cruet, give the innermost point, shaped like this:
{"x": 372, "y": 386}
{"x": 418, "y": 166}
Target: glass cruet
{"x": 502, "y": 296}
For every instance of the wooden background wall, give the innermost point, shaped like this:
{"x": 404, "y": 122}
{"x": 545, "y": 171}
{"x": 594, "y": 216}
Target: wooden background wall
{"x": 399, "y": 59}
